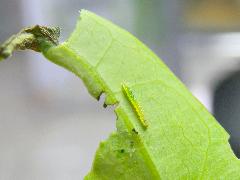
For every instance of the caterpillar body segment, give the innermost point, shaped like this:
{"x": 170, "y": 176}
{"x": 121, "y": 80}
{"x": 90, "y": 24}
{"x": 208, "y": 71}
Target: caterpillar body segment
{"x": 135, "y": 105}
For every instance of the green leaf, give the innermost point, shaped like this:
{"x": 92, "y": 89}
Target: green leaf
{"x": 182, "y": 139}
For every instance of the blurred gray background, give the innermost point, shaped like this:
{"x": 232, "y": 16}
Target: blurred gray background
{"x": 50, "y": 127}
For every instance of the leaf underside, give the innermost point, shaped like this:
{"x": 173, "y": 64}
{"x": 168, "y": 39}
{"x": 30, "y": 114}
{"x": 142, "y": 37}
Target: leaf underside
{"x": 182, "y": 140}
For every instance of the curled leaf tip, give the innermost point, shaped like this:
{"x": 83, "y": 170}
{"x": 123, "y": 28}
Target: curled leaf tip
{"x": 35, "y": 38}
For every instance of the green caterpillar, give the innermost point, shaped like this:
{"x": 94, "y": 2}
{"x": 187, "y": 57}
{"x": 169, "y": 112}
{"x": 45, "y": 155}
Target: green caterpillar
{"x": 137, "y": 108}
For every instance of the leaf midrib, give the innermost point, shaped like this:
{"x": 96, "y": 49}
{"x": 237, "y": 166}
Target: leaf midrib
{"x": 118, "y": 110}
